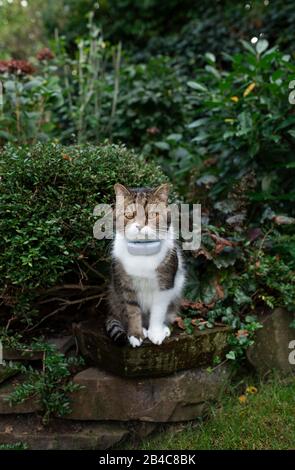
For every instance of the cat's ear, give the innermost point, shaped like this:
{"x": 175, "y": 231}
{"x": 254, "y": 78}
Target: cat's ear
{"x": 120, "y": 190}
{"x": 162, "y": 192}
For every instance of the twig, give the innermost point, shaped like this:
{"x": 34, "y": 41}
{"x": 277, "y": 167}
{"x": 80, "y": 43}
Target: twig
{"x": 93, "y": 269}
{"x": 79, "y": 287}
{"x": 116, "y": 85}
{"x": 63, "y": 307}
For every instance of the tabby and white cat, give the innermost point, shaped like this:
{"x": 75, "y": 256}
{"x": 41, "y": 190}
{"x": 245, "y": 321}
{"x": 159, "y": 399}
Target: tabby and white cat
{"x": 145, "y": 290}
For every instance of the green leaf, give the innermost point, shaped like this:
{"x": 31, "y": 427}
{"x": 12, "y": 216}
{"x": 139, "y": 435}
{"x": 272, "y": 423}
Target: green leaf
{"x": 174, "y": 137}
{"x": 10, "y": 85}
{"x": 245, "y": 120}
{"x": 196, "y": 86}
{"x": 7, "y": 136}
{"x": 292, "y": 133}
{"x": 162, "y": 145}
{"x": 33, "y": 84}
{"x": 181, "y": 152}
{"x": 210, "y": 57}
{"x": 213, "y": 70}
{"x": 261, "y": 46}
{"x": 247, "y": 46}
{"x": 197, "y": 123}
{"x": 231, "y": 355}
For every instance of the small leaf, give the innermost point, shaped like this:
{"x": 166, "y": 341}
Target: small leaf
{"x": 162, "y": 145}
{"x": 292, "y": 133}
{"x": 213, "y": 70}
{"x": 247, "y": 46}
{"x": 197, "y": 123}
{"x": 231, "y": 355}
{"x": 174, "y": 137}
{"x": 261, "y": 46}
{"x": 210, "y": 57}
{"x": 196, "y": 86}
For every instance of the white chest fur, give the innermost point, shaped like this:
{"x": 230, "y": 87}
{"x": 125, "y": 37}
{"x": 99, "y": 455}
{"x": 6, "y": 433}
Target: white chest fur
{"x": 146, "y": 290}
{"x": 143, "y": 272}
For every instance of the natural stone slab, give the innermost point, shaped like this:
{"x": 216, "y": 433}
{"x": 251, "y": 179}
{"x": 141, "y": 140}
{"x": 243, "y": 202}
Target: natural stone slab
{"x": 271, "y": 347}
{"x": 62, "y": 344}
{"x": 179, "y": 397}
{"x": 61, "y": 435}
{"x": 30, "y": 405}
{"x": 6, "y": 372}
{"x": 178, "y": 352}
{"x": 10, "y": 354}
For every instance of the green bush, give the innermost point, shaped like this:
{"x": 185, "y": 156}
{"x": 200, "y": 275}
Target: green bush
{"x": 244, "y": 122}
{"x": 90, "y": 82}
{"x": 152, "y": 102}
{"x": 243, "y": 269}
{"x": 29, "y": 97}
{"x": 47, "y": 196}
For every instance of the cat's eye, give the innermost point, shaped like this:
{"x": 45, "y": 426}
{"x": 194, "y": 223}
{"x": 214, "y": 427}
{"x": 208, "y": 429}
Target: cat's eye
{"x": 129, "y": 215}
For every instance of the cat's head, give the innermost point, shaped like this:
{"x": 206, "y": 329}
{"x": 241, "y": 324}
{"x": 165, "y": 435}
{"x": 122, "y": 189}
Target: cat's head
{"x": 143, "y": 213}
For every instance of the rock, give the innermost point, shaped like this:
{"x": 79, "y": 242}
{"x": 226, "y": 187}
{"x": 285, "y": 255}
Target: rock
{"x": 271, "y": 347}
{"x": 178, "y": 397}
{"x": 18, "y": 355}
{"x": 61, "y": 435}
{"x": 30, "y": 405}
{"x": 6, "y": 372}
{"x": 142, "y": 429}
{"x": 62, "y": 343}
{"x": 178, "y": 352}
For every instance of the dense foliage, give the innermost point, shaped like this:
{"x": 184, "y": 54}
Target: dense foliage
{"x": 47, "y": 196}
{"x": 204, "y": 90}
{"x": 243, "y": 269}
{"x": 245, "y": 120}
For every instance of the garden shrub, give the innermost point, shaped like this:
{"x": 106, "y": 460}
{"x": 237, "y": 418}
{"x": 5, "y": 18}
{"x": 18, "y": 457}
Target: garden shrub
{"x": 29, "y": 96}
{"x": 175, "y": 28}
{"x": 245, "y": 121}
{"x": 47, "y": 196}
{"x": 243, "y": 269}
{"x": 152, "y": 101}
{"x": 242, "y": 121}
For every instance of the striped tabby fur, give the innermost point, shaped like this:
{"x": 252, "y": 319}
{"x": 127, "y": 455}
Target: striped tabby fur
{"x": 145, "y": 290}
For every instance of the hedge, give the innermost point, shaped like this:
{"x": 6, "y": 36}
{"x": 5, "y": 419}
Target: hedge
{"x": 48, "y": 255}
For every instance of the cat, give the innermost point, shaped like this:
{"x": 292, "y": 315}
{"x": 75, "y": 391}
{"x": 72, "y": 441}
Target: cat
{"x": 145, "y": 290}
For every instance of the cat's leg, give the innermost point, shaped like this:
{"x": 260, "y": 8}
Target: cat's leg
{"x": 134, "y": 317}
{"x": 158, "y": 330}
{"x": 145, "y": 324}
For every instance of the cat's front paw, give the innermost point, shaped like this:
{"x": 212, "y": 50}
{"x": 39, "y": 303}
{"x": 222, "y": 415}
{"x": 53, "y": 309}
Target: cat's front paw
{"x": 134, "y": 341}
{"x": 157, "y": 334}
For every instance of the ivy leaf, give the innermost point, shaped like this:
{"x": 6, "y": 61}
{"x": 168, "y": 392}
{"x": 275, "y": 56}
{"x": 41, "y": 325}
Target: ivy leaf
{"x": 231, "y": 355}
